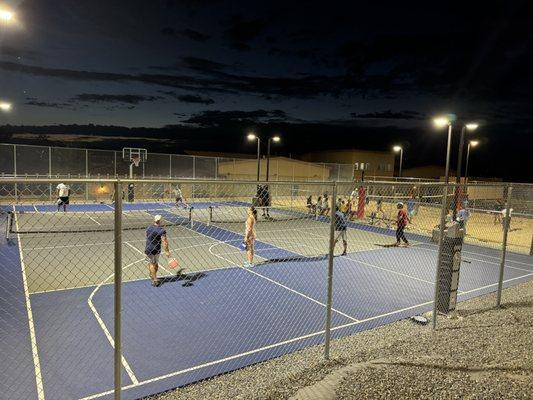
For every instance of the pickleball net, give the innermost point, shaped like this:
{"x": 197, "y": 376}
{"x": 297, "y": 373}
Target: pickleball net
{"x": 23, "y": 222}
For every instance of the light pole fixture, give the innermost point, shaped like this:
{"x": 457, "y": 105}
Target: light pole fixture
{"x": 251, "y": 137}
{"x": 441, "y": 122}
{"x": 6, "y": 16}
{"x": 399, "y": 149}
{"x": 471, "y": 143}
{"x": 5, "y": 106}
{"x": 274, "y": 139}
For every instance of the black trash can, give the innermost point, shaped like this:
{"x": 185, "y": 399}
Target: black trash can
{"x": 449, "y": 268}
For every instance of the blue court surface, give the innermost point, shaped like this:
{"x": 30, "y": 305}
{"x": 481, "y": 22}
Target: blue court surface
{"x": 58, "y": 341}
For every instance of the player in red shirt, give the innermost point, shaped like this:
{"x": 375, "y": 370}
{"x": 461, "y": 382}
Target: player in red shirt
{"x": 401, "y": 221}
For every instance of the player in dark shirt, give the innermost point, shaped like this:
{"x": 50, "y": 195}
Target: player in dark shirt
{"x": 401, "y": 221}
{"x": 156, "y": 237}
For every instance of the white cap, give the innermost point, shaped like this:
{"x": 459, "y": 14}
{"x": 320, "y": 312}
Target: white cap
{"x": 157, "y": 218}
{"x": 399, "y": 203}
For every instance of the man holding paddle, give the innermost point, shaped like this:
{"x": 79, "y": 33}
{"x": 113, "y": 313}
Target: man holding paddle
{"x": 156, "y": 237}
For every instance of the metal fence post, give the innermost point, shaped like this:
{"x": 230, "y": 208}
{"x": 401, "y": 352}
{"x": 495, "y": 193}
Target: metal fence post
{"x": 118, "y": 288}
{"x": 506, "y": 226}
{"x": 443, "y": 212}
{"x": 330, "y": 271}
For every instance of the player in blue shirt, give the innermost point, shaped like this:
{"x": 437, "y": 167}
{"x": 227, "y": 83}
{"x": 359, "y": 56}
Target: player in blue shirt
{"x": 341, "y": 225}
{"x": 156, "y": 238}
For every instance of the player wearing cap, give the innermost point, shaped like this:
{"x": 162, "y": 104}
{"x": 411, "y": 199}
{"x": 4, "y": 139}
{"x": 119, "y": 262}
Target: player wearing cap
{"x": 156, "y": 237}
{"x": 63, "y": 194}
{"x": 401, "y": 221}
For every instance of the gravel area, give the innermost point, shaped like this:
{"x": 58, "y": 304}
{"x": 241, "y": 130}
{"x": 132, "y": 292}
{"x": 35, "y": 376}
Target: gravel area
{"x": 484, "y": 353}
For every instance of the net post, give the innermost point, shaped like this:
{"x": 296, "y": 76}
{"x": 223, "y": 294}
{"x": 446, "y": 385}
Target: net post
{"x": 118, "y": 289}
{"x": 506, "y": 225}
{"x": 210, "y": 217}
{"x": 443, "y": 212}
{"x": 330, "y": 273}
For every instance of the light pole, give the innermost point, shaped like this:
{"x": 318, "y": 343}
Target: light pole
{"x": 252, "y": 137}
{"x": 457, "y": 197}
{"x": 466, "y": 127}
{"x": 471, "y": 143}
{"x": 275, "y": 139}
{"x": 400, "y": 150}
{"x": 440, "y": 123}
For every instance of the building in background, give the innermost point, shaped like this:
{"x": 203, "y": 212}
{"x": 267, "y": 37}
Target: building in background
{"x": 374, "y": 163}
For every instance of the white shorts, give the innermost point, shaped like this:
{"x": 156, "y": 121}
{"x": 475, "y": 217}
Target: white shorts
{"x": 341, "y": 235}
{"x": 153, "y": 258}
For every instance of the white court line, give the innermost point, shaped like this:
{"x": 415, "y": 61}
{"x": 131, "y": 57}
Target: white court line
{"x": 389, "y": 270}
{"x": 271, "y": 280}
{"x": 280, "y": 284}
{"x": 104, "y": 327}
{"x": 102, "y": 243}
{"x": 33, "y": 338}
{"x": 482, "y": 261}
{"x": 35, "y": 208}
{"x": 250, "y": 352}
{"x": 140, "y": 252}
{"x": 495, "y": 284}
{"x": 95, "y": 221}
{"x": 268, "y": 347}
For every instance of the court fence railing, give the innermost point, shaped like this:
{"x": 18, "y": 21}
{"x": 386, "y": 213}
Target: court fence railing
{"x": 316, "y": 274}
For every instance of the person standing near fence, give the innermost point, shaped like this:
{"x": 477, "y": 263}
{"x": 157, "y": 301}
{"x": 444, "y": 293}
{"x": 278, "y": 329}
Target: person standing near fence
{"x": 250, "y": 236}
{"x": 402, "y": 220}
{"x": 341, "y": 226}
{"x": 156, "y": 238}
{"x": 63, "y": 196}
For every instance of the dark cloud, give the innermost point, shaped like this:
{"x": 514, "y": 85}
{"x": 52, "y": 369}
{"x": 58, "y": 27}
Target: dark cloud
{"x": 242, "y": 31}
{"x": 18, "y": 52}
{"x": 114, "y": 98}
{"x": 202, "y": 64}
{"x": 214, "y": 81}
{"x": 390, "y": 115}
{"x": 189, "y": 98}
{"x": 222, "y": 118}
{"x": 187, "y": 33}
{"x": 37, "y": 103}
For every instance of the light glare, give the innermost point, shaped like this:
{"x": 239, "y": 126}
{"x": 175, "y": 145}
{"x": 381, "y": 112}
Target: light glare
{"x": 397, "y": 148}
{"x": 441, "y": 122}
{"x": 6, "y": 16}
{"x": 474, "y": 143}
{"x": 5, "y": 106}
{"x": 251, "y": 136}
{"x": 276, "y": 139}
{"x": 472, "y": 126}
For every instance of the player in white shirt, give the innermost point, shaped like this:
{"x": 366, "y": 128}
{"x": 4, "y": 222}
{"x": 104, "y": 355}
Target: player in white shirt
{"x": 63, "y": 194}
{"x": 180, "y": 200}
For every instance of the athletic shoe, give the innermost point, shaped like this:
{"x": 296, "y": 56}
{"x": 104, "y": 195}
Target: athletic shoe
{"x": 156, "y": 283}
{"x": 343, "y": 254}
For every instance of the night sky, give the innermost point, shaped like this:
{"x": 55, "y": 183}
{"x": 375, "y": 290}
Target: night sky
{"x": 199, "y": 74}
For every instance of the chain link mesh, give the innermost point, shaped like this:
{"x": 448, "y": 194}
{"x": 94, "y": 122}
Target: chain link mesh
{"x": 245, "y": 278}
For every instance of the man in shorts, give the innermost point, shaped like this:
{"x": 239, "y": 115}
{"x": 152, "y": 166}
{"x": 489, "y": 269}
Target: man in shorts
{"x": 63, "y": 194}
{"x": 180, "y": 200}
{"x": 341, "y": 226}
{"x": 156, "y": 238}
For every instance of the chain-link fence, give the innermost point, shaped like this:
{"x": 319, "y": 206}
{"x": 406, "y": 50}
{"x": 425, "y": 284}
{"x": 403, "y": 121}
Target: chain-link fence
{"x": 139, "y": 286}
